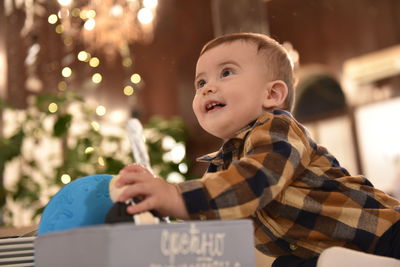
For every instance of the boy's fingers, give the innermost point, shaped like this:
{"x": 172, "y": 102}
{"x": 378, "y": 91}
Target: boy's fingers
{"x": 129, "y": 168}
{"x": 133, "y": 168}
{"x": 133, "y": 190}
{"x": 145, "y": 205}
{"x": 130, "y": 178}
{"x": 128, "y": 193}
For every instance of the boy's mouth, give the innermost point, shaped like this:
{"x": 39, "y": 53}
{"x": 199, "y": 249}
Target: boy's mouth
{"x": 213, "y": 106}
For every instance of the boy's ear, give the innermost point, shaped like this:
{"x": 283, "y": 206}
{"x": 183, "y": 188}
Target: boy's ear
{"x": 277, "y": 92}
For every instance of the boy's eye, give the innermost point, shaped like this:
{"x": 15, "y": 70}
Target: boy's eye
{"x": 226, "y": 73}
{"x": 200, "y": 83}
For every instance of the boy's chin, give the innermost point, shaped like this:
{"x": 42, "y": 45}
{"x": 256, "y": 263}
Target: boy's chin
{"x": 221, "y": 133}
{"x": 220, "y": 129}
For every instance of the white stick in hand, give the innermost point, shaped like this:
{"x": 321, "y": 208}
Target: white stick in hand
{"x": 136, "y": 139}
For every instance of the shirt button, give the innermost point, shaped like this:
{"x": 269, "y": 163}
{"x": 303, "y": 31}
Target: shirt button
{"x": 202, "y": 217}
{"x": 293, "y": 247}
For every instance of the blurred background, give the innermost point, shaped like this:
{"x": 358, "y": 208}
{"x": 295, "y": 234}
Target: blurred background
{"x": 72, "y": 72}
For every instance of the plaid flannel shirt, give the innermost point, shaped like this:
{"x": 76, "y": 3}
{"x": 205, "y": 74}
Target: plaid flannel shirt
{"x": 300, "y": 199}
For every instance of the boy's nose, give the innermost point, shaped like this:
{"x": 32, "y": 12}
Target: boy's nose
{"x": 209, "y": 89}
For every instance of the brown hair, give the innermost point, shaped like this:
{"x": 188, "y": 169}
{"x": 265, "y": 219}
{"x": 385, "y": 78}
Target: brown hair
{"x": 277, "y": 59}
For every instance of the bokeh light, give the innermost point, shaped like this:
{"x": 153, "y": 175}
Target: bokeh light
{"x": 59, "y": 29}
{"x": 168, "y": 143}
{"x": 53, "y": 107}
{"x": 183, "y": 168}
{"x": 101, "y": 161}
{"x": 118, "y": 116}
{"x": 178, "y": 153}
{"x": 90, "y": 14}
{"x": 66, "y": 72}
{"x": 145, "y": 15}
{"x": 129, "y": 90}
{"x": 135, "y": 78}
{"x": 116, "y": 11}
{"x": 75, "y": 12}
{"x": 95, "y": 125}
{"x": 150, "y": 3}
{"x": 65, "y": 179}
{"x": 64, "y": 2}
{"x": 101, "y": 110}
{"x": 89, "y": 24}
{"x": 94, "y": 62}
{"x": 52, "y": 19}
{"x": 62, "y": 86}
{"x": 127, "y": 62}
{"x": 175, "y": 178}
{"x": 97, "y": 78}
{"x": 83, "y": 56}
{"x": 83, "y": 15}
{"x": 89, "y": 150}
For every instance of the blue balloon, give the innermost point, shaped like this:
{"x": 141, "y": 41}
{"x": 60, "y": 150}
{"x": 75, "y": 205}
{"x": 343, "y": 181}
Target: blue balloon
{"x": 83, "y": 202}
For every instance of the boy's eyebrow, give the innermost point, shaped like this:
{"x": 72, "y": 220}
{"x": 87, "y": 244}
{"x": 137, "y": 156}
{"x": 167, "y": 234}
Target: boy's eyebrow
{"x": 228, "y": 62}
{"x": 219, "y": 65}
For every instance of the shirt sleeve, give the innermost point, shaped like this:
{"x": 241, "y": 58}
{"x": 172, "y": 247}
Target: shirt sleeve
{"x": 275, "y": 153}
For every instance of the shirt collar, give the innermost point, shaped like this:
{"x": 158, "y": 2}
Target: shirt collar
{"x": 216, "y": 157}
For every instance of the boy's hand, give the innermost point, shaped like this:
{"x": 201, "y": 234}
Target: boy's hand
{"x": 156, "y": 193}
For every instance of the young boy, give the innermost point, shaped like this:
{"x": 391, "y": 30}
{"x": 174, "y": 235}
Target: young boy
{"x": 268, "y": 169}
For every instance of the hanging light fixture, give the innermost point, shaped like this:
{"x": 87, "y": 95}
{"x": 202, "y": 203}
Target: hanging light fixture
{"x": 108, "y": 25}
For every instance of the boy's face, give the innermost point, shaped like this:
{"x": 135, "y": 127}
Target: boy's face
{"x": 231, "y": 86}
